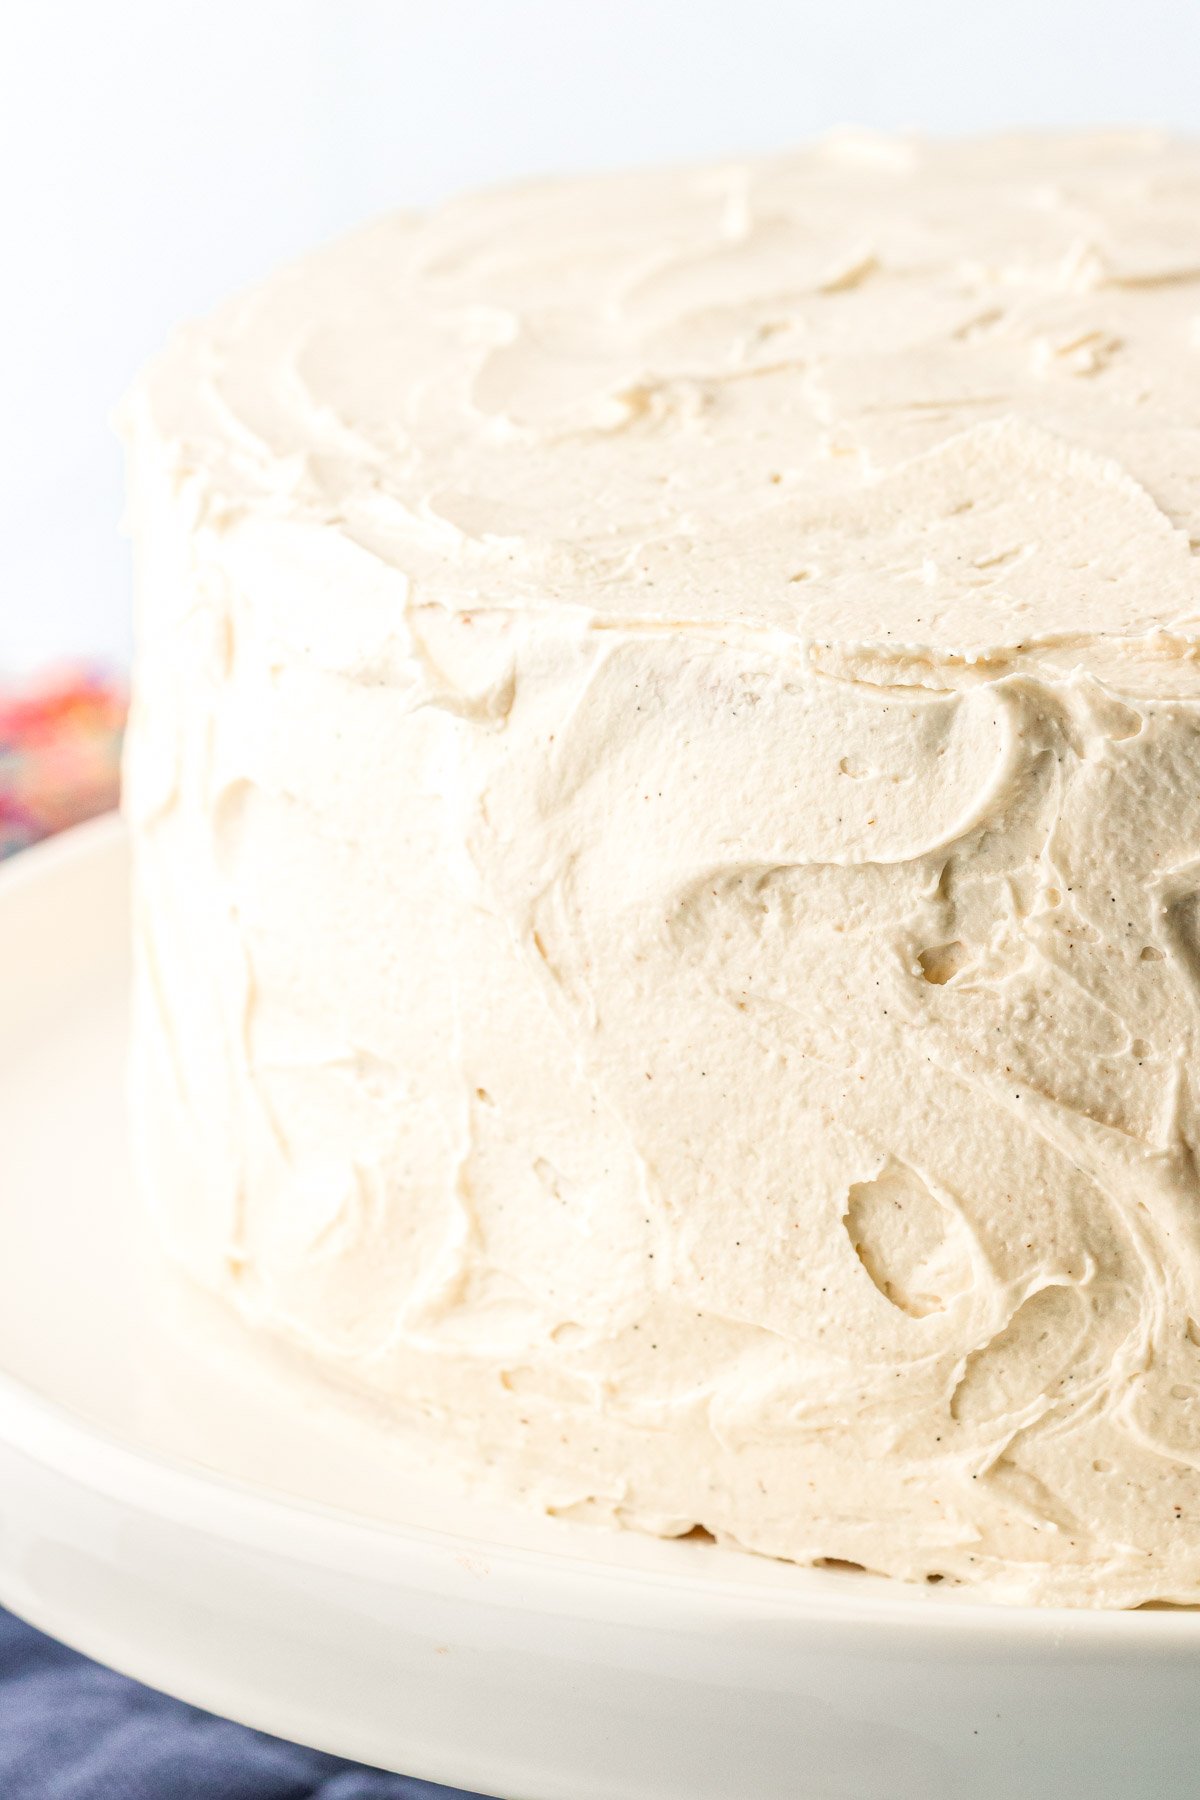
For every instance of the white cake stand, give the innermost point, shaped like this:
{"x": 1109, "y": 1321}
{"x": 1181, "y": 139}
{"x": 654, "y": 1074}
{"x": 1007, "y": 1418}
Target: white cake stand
{"x": 225, "y": 1537}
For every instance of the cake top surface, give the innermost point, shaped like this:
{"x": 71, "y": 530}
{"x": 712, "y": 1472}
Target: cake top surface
{"x": 918, "y": 399}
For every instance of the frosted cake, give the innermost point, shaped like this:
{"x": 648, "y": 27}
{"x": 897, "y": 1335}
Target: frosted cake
{"x": 665, "y": 790}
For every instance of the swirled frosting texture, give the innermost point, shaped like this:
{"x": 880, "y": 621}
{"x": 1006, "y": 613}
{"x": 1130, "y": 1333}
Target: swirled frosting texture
{"x": 666, "y": 788}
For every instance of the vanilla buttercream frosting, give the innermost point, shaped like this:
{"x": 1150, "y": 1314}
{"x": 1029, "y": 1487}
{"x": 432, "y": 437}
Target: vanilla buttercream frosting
{"x": 665, "y": 786}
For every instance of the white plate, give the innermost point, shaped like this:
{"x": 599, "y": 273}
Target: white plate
{"x": 193, "y": 1525}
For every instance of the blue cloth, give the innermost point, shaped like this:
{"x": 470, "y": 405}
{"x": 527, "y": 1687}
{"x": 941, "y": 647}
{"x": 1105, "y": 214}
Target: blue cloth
{"x": 71, "y": 1730}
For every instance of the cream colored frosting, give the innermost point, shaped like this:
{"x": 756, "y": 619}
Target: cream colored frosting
{"x": 665, "y": 780}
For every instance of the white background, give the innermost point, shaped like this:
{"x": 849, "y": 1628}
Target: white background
{"x": 156, "y": 153}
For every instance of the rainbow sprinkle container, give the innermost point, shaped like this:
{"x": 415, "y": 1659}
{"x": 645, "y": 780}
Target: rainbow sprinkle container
{"x": 60, "y": 746}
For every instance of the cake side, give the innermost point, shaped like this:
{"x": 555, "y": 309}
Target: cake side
{"x": 663, "y": 786}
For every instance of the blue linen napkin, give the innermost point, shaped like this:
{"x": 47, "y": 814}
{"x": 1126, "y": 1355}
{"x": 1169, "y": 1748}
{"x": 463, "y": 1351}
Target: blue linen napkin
{"x": 71, "y": 1730}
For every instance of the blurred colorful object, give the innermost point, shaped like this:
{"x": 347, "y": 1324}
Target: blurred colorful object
{"x": 60, "y": 745}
